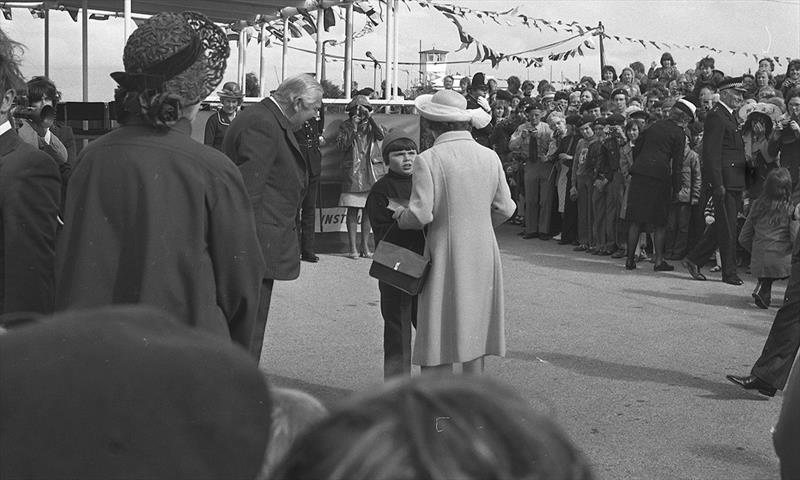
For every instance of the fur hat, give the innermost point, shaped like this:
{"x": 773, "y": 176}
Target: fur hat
{"x": 129, "y": 391}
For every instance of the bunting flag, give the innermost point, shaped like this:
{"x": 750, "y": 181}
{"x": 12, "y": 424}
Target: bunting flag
{"x": 328, "y": 19}
{"x": 73, "y": 13}
{"x": 37, "y": 13}
{"x": 7, "y": 13}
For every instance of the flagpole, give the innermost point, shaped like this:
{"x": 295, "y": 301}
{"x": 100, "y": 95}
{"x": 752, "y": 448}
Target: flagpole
{"x": 242, "y": 54}
{"x": 285, "y": 51}
{"x": 387, "y": 71}
{"x": 348, "y": 52}
{"x": 262, "y": 70}
{"x": 46, "y": 41}
{"x": 395, "y": 49}
{"x": 127, "y": 15}
{"x": 320, "y": 28}
{"x": 85, "y": 49}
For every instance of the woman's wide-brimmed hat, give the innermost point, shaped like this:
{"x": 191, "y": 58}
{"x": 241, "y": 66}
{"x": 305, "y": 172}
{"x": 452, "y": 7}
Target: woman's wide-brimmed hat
{"x": 769, "y": 109}
{"x": 231, "y": 90}
{"x": 443, "y": 106}
{"x": 180, "y": 53}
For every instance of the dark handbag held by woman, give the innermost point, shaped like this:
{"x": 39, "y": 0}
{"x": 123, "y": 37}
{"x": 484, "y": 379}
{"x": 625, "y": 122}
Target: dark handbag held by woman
{"x": 399, "y": 267}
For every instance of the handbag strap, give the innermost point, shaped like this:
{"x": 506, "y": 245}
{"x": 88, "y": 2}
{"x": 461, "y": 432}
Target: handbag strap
{"x": 425, "y": 252}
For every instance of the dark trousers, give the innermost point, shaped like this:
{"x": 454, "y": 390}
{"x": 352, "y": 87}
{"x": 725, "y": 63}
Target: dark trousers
{"x": 680, "y": 215}
{"x": 721, "y": 234}
{"x": 307, "y": 217}
{"x": 569, "y": 222}
{"x": 783, "y": 341}
{"x": 257, "y": 337}
{"x": 399, "y": 311}
{"x": 584, "y": 187}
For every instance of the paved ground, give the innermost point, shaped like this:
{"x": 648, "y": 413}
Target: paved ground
{"x": 631, "y": 364}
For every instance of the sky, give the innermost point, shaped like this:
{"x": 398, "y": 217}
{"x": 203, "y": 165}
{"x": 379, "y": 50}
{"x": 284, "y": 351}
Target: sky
{"x": 762, "y": 27}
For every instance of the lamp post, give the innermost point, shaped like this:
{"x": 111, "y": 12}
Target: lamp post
{"x": 324, "y": 58}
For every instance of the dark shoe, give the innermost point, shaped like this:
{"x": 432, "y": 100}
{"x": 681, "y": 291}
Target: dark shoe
{"x": 733, "y": 280}
{"x": 580, "y": 248}
{"x": 592, "y": 250}
{"x": 528, "y": 236}
{"x": 663, "y": 267}
{"x": 544, "y": 236}
{"x": 751, "y": 382}
{"x": 604, "y": 252}
{"x": 630, "y": 264}
{"x": 675, "y": 257}
{"x": 311, "y": 258}
{"x": 693, "y": 269}
{"x": 618, "y": 254}
{"x": 760, "y": 301}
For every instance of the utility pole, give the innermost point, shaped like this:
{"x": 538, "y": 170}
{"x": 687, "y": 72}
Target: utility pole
{"x": 602, "y": 49}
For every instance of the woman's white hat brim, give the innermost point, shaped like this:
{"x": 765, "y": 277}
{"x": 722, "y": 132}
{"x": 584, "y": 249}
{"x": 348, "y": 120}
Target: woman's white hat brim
{"x": 440, "y": 112}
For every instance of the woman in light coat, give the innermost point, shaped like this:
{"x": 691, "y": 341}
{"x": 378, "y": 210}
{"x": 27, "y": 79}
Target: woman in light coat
{"x": 459, "y": 195}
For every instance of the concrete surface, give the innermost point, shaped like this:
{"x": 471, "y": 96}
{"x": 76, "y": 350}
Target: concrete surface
{"x": 631, "y": 363}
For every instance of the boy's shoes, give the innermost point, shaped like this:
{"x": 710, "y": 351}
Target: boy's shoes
{"x": 630, "y": 264}
{"x": 592, "y": 250}
{"x": 751, "y": 382}
{"x": 663, "y": 267}
{"x": 604, "y": 252}
{"x": 762, "y": 301}
{"x": 544, "y": 236}
{"x": 528, "y": 236}
{"x": 309, "y": 257}
{"x": 733, "y": 280}
{"x": 618, "y": 254}
{"x": 693, "y": 269}
{"x": 580, "y": 248}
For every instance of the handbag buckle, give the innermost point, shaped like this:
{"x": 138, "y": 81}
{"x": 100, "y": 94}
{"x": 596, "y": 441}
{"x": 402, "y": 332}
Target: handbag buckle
{"x": 397, "y": 265}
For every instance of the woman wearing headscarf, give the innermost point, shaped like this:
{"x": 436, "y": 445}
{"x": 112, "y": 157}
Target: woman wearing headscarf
{"x": 359, "y": 140}
{"x": 152, "y": 216}
{"x": 459, "y": 194}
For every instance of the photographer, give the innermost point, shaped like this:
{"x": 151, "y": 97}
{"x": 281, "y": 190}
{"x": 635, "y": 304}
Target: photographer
{"x": 30, "y": 190}
{"x": 37, "y": 126}
{"x": 785, "y": 140}
{"x": 362, "y": 166}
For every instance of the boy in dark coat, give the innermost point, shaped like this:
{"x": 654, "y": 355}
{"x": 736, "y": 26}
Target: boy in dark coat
{"x": 399, "y": 309}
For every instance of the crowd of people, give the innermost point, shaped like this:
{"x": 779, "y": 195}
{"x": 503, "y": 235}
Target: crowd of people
{"x": 159, "y": 256}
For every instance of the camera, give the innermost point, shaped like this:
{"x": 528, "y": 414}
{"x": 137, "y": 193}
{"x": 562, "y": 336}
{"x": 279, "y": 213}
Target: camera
{"x": 40, "y": 116}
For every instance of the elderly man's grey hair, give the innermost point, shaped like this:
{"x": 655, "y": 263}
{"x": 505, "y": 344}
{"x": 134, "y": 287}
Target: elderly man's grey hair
{"x": 300, "y": 86}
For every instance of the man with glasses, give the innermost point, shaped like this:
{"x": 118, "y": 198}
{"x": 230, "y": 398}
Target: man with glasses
{"x": 261, "y": 141}
{"x": 724, "y": 170}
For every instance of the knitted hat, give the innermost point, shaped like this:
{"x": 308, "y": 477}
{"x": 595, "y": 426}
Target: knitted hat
{"x": 394, "y": 135}
{"x": 128, "y": 391}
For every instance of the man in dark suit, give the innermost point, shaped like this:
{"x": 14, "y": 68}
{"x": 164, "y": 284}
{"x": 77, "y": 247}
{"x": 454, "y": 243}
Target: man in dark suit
{"x": 30, "y": 192}
{"x": 724, "y": 171}
{"x": 309, "y": 139}
{"x": 261, "y": 142}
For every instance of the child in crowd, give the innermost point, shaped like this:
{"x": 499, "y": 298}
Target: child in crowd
{"x": 581, "y": 176}
{"x": 597, "y": 198}
{"x": 769, "y": 232}
{"x": 399, "y": 309}
{"x": 680, "y": 213}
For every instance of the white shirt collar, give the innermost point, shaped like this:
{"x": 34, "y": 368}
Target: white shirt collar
{"x": 279, "y": 107}
{"x": 5, "y": 126}
{"x": 729, "y": 109}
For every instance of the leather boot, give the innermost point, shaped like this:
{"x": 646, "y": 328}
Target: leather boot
{"x": 763, "y": 293}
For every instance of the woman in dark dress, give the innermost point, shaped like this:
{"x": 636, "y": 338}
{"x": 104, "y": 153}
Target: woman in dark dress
{"x": 657, "y": 154}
